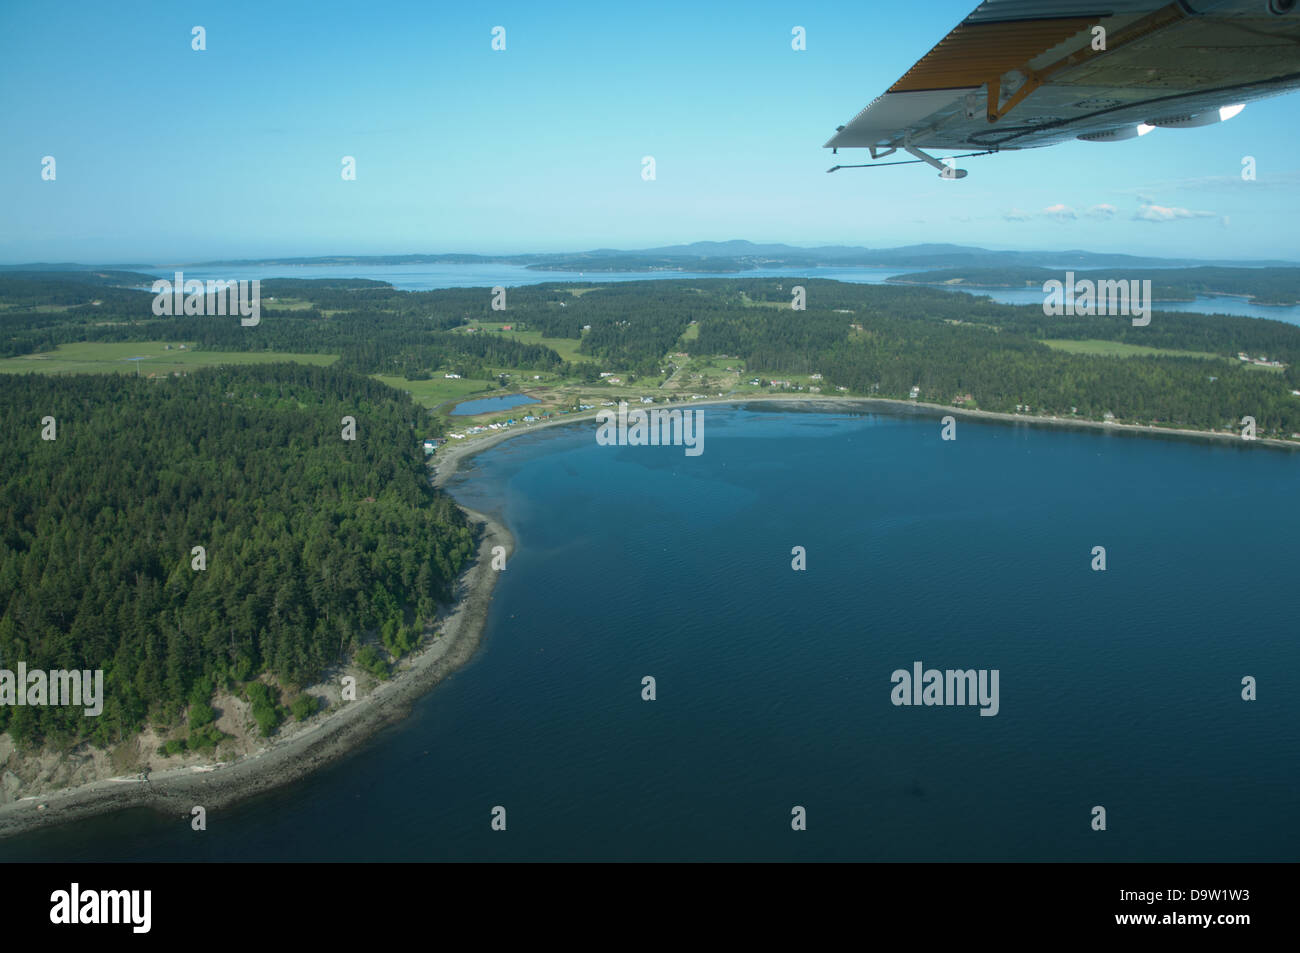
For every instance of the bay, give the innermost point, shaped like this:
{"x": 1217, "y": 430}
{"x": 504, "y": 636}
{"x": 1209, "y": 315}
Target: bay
{"x": 1119, "y": 688}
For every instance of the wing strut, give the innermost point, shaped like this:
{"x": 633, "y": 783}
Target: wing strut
{"x": 945, "y": 172}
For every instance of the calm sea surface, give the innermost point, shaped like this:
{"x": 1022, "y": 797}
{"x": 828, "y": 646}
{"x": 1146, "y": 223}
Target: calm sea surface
{"x": 1119, "y": 688}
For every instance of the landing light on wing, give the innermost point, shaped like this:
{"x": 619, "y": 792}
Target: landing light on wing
{"x": 1116, "y": 135}
{"x": 1223, "y": 114}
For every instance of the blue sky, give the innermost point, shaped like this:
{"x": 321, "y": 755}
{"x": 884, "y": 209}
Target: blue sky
{"x": 165, "y": 154}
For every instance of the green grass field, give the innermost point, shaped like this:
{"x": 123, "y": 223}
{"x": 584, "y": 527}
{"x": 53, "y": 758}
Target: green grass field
{"x": 567, "y": 348}
{"x": 114, "y": 357}
{"x": 287, "y": 303}
{"x": 1120, "y": 349}
{"x": 749, "y": 302}
{"x": 37, "y": 309}
{"x": 438, "y": 390}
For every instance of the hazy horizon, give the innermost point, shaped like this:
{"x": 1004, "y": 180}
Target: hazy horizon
{"x": 171, "y": 260}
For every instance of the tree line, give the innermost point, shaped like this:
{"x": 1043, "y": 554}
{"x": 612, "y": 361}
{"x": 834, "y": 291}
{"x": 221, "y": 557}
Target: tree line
{"x": 314, "y": 545}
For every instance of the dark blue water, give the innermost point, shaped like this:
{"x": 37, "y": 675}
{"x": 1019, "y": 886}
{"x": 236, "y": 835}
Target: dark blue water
{"x": 486, "y": 405}
{"x": 1118, "y": 688}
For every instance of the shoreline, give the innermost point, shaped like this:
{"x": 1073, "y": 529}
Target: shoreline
{"x": 455, "y": 453}
{"x": 341, "y": 732}
{"x": 338, "y": 733}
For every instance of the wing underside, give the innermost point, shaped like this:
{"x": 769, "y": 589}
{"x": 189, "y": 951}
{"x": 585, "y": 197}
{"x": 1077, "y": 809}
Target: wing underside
{"x": 1017, "y": 74}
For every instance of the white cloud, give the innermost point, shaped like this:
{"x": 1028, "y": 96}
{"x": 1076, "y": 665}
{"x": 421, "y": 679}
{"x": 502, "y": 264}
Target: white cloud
{"x": 1166, "y": 213}
{"x": 1060, "y": 212}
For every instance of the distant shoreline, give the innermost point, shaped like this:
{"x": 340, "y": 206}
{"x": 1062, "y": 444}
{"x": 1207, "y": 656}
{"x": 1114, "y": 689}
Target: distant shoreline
{"x": 963, "y": 285}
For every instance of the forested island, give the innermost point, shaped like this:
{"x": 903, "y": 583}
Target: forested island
{"x": 131, "y": 439}
{"x": 322, "y": 551}
{"x": 731, "y": 336}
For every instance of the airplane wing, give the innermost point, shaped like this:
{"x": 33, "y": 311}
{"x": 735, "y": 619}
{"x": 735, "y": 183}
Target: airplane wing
{"x": 1017, "y": 74}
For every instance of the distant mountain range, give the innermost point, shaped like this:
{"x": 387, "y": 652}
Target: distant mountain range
{"x": 724, "y": 258}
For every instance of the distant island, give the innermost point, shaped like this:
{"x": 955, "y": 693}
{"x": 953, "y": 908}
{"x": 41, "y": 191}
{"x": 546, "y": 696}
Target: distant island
{"x": 728, "y": 257}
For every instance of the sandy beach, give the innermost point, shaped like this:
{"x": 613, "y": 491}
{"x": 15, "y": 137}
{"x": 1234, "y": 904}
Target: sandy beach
{"x": 302, "y": 749}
